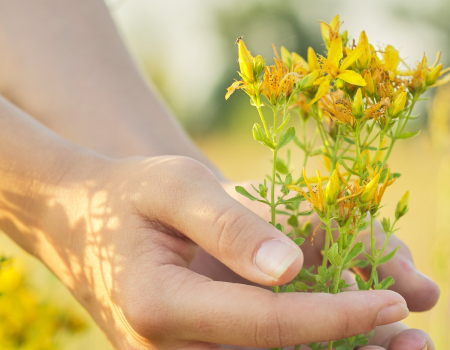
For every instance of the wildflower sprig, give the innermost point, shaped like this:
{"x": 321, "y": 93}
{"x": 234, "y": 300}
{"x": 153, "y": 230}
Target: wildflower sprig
{"x": 360, "y": 99}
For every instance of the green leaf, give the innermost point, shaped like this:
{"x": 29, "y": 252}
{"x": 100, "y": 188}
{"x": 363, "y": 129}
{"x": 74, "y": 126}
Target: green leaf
{"x": 301, "y": 287}
{"x": 276, "y": 289}
{"x": 283, "y": 289}
{"x": 287, "y": 137}
{"x": 388, "y": 257}
{"x": 281, "y": 167}
{"x": 290, "y": 233}
{"x": 290, "y": 288}
{"x": 341, "y": 162}
{"x": 316, "y": 152}
{"x": 334, "y": 256}
{"x": 299, "y": 241}
{"x": 306, "y": 213}
{"x": 243, "y": 191}
{"x": 384, "y": 284}
{"x": 285, "y": 121}
{"x": 369, "y": 258}
{"x": 293, "y": 221}
{"x": 350, "y": 141}
{"x": 260, "y": 135}
{"x": 356, "y": 250}
{"x": 281, "y": 212}
{"x": 361, "y": 284}
{"x": 408, "y": 135}
{"x": 280, "y": 227}
{"x": 299, "y": 143}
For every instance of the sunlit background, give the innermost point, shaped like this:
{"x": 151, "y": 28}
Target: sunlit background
{"x": 187, "y": 50}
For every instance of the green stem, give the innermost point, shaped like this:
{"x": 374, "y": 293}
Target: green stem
{"x": 262, "y": 118}
{"x": 335, "y": 151}
{"x": 372, "y": 238}
{"x": 358, "y": 148}
{"x": 399, "y": 130}
{"x": 272, "y": 193}
{"x": 330, "y": 345}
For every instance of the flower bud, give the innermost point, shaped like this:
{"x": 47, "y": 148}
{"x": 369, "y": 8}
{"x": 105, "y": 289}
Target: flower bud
{"x": 370, "y": 190}
{"x": 357, "y": 105}
{"x": 308, "y": 81}
{"x": 370, "y": 87}
{"x": 312, "y": 60}
{"x": 433, "y": 76}
{"x": 258, "y": 65}
{"x": 245, "y": 62}
{"x": 332, "y": 189}
{"x": 364, "y": 59}
{"x": 399, "y": 103}
{"x": 402, "y": 206}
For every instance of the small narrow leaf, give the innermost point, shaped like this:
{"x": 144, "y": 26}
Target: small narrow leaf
{"x": 356, "y": 250}
{"x": 287, "y": 137}
{"x": 388, "y": 257}
{"x": 341, "y": 162}
{"x": 241, "y": 190}
{"x": 408, "y": 135}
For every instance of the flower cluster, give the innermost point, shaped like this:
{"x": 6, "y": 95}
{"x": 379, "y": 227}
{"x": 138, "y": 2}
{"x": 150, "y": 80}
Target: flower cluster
{"x": 360, "y": 98}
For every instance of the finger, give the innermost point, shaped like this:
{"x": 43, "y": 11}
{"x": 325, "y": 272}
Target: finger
{"x": 204, "y": 310}
{"x": 420, "y": 292}
{"x": 189, "y": 200}
{"x": 398, "y": 336}
{"x": 411, "y": 339}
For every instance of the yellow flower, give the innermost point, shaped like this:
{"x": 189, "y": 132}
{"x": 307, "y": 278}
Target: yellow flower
{"x": 370, "y": 190}
{"x": 402, "y": 206}
{"x": 333, "y": 69}
{"x": 391, "y": 59}
{"x": 380, "y": 193}
{"x": 277, "y": 82}
{"x": 332, "y": 189}
{"x": 365, "y": 59}
{"x": 247, "y": 66}
{"x": 316, "y": 196}
{"x": 330, "y": 31}
{"x": 358, "y": 105}
{"x": 313, "y": 62}
{"x": 245, "y": 62}
{"x": 399, "y": 103}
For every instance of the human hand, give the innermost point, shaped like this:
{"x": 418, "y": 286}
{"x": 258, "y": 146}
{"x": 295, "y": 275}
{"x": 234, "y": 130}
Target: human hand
{"x": 124, "y": 234}
{"x": 419, "y": 291}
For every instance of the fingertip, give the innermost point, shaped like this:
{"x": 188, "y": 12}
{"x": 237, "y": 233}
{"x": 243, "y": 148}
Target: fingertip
{"x": 280, "y": 260}
{"x": 411, "y": 339}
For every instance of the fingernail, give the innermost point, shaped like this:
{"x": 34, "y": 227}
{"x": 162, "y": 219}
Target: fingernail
{"x": 274, "y": 257}
{"x": 392, "y": 313}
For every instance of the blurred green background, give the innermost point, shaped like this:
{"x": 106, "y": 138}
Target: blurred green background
{"x": 187, "y": 51}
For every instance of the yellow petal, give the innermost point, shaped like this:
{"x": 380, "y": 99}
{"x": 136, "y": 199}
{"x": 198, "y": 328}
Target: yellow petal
{"x": 297, "y": 59}
{"x": 442, "y": 81}
{"x": 334, "y": 22}
{"x": 335, "y": 52}
{"x": 354, "y": 54}
{"x": 313, "y": 62}
{"x": 352, "y": 77}
{"x": 391, "y": 58}
{"x": 323, "y": 89}
{"x": 245, "y": 61}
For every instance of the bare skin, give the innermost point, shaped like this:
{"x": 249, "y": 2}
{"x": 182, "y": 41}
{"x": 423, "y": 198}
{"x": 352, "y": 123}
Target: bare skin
{"x": 102, "y": 226}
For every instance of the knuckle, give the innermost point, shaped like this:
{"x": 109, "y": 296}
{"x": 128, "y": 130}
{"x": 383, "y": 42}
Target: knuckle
{"x": 271, "y": 329}
{"x": 227, "y": 231}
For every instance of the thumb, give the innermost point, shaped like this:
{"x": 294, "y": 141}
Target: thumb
{"x": 188, "y": 199}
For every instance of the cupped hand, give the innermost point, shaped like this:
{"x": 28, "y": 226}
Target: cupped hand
{"x": 419, "y": 291}
{"x": 131, "y": 229}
